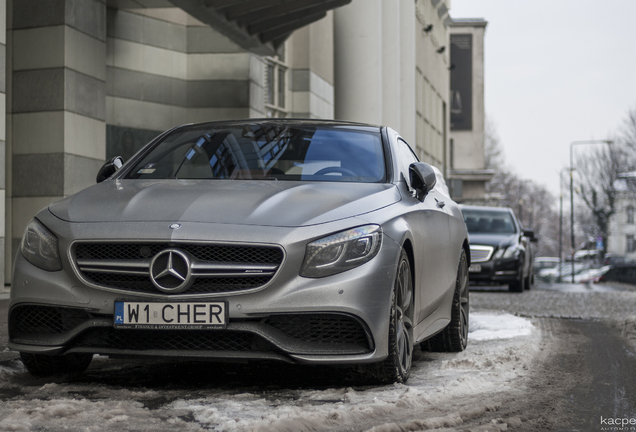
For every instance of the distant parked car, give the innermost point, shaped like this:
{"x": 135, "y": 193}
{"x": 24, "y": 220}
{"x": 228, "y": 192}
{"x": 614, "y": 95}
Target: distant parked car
{"x": 616, "y": 260}
{"x": 500, "y": 249}
{"x": 541, "y": 263}
{"x": 565, "y": 272}
{"x": 593, "y": 275}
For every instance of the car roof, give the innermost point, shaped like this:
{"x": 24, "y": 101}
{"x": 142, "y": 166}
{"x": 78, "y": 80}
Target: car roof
{"x": 294, "y": 122}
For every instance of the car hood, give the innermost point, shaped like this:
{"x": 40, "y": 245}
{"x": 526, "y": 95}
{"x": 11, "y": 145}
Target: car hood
{"x": 268, "y": 203}
{"x": 495, "y": 240}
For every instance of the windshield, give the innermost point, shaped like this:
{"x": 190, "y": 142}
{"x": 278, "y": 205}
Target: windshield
{"x": 266, "y": 151}
{"x": 488, "y": 222}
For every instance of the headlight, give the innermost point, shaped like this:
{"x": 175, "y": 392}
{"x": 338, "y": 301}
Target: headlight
{"x": 506, "y": 253}
{"x": 39, "y": 247}
{"x": 342, "y": 251}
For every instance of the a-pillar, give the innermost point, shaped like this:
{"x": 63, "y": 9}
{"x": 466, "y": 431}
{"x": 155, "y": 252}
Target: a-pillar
{"x": 56, "y": 119}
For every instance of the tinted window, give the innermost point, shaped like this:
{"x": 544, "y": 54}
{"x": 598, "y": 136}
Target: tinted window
{"x": 489, "y": 222}
{"x": 266, "y": 152}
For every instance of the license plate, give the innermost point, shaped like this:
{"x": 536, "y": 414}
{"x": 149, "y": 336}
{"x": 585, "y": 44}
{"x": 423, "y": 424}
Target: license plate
{"x": 176, "y": 315}
{"x": 475, "y": 268}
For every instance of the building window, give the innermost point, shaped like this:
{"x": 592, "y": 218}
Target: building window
{"x": 631, "y": 247}
{"x": 630, "y": 214}
{"x": 275, "y": 87}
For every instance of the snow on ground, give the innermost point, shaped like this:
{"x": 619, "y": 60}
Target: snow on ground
{"x": 504, "y": 326}
{"x": 449, "y": 386}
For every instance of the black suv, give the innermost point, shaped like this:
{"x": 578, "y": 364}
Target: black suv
{"x": 500, "y": 248}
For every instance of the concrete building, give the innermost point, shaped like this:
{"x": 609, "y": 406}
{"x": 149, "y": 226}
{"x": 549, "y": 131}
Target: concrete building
{"x": 468, "y": 176}
{"x": 622, "y": 227}
{"x": 87, "y": 80}
{"x": 392, "y": 69}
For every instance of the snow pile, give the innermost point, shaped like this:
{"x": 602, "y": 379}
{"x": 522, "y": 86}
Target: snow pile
{"x": 501, "y": 348}
{"x": 83, "y": 414}
{"x": 505, "y": 326}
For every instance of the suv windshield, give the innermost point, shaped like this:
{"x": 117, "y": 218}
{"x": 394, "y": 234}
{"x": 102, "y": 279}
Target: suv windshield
{"x": 488, "y": 222}
{"x": 265, "y": 151}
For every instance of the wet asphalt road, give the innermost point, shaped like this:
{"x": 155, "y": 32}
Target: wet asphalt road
{"x": 587, "y": 374}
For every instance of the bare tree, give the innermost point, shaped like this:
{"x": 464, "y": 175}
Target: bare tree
{"x": 627, "y": 132}
{"x": 493, "y": 153}
{"x": 598, "y": 174}
{"x": 533, "y": 203}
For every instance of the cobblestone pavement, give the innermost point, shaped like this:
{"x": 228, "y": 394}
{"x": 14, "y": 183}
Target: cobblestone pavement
{"x": 574, "y": 301}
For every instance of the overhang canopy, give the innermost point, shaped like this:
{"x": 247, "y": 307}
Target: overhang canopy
{"x": 259, "y": 26}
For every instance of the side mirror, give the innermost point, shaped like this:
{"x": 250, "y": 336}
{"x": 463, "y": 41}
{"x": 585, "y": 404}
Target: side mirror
{"x": 109, "y": 168}
{"x": 422, "y": 178}
{"x": 527, "y": 232}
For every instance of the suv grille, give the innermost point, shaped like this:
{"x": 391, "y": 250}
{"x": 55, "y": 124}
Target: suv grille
{"x": 215, "y": 268}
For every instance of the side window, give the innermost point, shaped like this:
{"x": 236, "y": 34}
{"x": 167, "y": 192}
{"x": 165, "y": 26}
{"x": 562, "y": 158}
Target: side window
{"x": 407, "y": 157}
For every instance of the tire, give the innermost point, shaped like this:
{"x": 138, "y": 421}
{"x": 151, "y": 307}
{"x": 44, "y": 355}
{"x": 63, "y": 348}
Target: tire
{"x": 397, "y": 366}
{"x": 454, "y": 337}
{"x": 519, "y": 285}
{"x": 529, "y": 282}
{"x": 44, "y": 365}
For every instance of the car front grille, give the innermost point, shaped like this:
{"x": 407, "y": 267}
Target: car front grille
{"x": 321, "y": 328}
{"x": 216, "y": 269}
{"x": 309, "y": 331}
{"x": 186, "y": 340}
{"x": 480, "y": 253}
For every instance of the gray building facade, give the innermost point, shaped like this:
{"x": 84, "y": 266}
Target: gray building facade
{"x": 468, "y": 176}
{"x": 86, "y": 80}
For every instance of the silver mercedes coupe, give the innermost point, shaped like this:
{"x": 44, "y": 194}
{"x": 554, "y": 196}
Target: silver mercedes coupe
{"x": 302, "y": 241}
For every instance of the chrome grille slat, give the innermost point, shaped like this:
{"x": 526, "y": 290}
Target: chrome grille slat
{"x": 141, "y": 267}
{"x": 480, "y": 253}
{"x": 216, "y": 269}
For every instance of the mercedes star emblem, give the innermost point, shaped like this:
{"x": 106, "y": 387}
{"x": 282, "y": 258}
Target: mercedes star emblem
{"x": 170, "y": 271}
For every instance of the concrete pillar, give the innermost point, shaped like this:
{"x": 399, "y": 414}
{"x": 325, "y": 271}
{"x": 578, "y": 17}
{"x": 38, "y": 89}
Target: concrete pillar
{"x": 391, "y": 64}
{"x": 58, "y": 105}
{"x": 358, "y": 61}
{"x": 407, "y": 71}
{"x": 310, "y": 57}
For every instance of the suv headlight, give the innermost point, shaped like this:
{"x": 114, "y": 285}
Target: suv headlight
{"x": 39, "y": 247}
{"x": 342, "y": 251}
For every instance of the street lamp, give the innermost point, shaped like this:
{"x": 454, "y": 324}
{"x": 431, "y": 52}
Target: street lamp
{"x": 520, "y": 201}
{"x": 572, "y": 144}
{"x": 561, "y": 223}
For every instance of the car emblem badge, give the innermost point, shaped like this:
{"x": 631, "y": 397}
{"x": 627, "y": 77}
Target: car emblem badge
{"x": 170, "y": 271}
{"x": 175, "y": 226}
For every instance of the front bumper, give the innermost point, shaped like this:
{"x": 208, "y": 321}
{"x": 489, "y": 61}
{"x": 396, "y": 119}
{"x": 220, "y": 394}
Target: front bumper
{"x": 495, "y": 271}
{"x": 340, "y": 319}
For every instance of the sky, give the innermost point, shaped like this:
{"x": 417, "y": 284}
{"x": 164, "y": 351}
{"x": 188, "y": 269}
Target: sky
{"x": 556, "y": 71}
